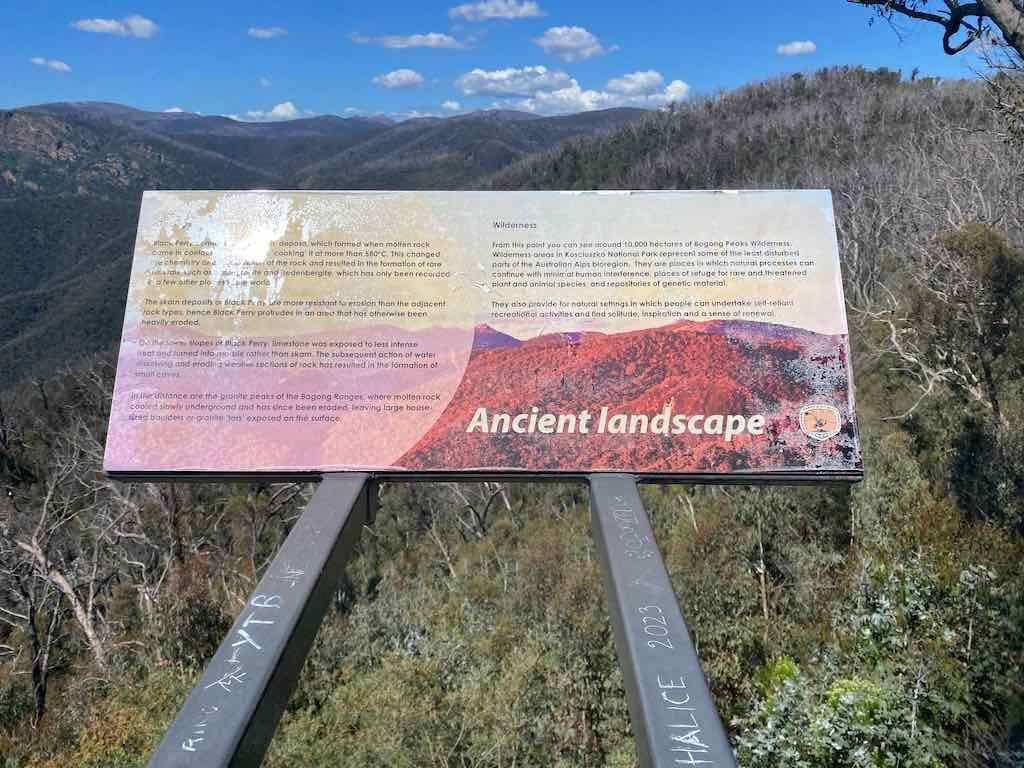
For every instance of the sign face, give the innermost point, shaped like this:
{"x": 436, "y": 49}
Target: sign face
{"x": 694, "y": 335}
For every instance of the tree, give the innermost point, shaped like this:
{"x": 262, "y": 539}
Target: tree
{"x": 1004, "y": 58}
{"x": 955, "y": 16}
{"x": 957, "y": 321}
{"x": 31, "y": 622}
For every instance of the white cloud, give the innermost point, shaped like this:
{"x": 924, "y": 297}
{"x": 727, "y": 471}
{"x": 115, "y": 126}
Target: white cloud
{"x": 675, "y": 91}
{"x": 129, "y": 26}
{"x": 286, "y": 110}
{"x": 496, "y": 9}
{"x": 265, "y": 82}
{"x": 637, "y": 89}
{"x": 413, "y": 114}
{"x": 55, "y": 64}
{"x": 174, "y": 109}
{"x": 636, "y": 83}
{"x": 796, "y": 48}
{"x": 572, "y": 44}
{"x": 399, "y": 78}
{"x": 451, "y": 106}
{"x": 573, "y": 98}
{"x": 513, "y": 81}
{"x": 267, "y": 33}
{"x": 360, "y": 112}
{"x": 427, "y": 40}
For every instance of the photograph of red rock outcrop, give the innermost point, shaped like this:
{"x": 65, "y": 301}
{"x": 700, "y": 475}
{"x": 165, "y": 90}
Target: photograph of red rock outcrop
{"x": 713, "y": 367}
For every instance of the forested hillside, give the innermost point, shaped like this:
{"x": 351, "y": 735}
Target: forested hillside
{"x": 72, "y": 175}
{"x": 878, "y": 625}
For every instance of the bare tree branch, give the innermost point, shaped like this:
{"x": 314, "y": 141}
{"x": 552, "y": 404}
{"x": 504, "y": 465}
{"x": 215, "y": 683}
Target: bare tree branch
{"x": 1006, "y": 15}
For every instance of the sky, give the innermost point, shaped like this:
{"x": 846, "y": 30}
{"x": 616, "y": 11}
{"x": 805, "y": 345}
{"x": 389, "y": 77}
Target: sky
{"x": 258, "y": 60}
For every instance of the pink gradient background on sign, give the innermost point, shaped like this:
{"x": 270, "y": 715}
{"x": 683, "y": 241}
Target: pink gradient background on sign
{"x": 350, "y": 440}
{"x": 698, "y": 367}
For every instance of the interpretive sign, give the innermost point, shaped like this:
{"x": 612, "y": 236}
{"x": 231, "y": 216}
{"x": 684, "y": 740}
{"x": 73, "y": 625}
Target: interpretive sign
{"x": 687, "y": 334}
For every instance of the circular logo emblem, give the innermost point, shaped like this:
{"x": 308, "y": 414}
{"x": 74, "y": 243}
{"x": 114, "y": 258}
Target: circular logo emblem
{"x": 820, "y": 421}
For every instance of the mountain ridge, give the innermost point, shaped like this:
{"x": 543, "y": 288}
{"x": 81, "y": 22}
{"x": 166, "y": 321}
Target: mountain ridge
{"x": 72, "y": 173}
{"x": 319, "y": 151}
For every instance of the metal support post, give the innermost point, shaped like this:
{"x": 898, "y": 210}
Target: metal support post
{"x": 675, "y": 722}
{"x": 230, "y": 716}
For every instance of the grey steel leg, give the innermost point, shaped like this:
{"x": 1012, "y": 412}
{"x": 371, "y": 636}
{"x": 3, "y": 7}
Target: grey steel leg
{"x": 674, "y": 718}
{"x": 233, "y": 711}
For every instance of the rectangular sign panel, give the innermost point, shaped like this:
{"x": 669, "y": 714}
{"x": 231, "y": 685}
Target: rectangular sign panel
{"x": 671, "y": 334}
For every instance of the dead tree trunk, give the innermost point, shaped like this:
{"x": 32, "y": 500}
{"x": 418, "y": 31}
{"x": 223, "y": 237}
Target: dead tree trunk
{"x": 85, "y": 618}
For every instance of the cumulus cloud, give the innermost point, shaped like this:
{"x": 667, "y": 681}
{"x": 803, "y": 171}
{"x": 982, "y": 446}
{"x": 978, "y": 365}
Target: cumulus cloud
{"x": 426, "y": 40}
{"x": 572, "y": 44}
{"x": 637, "y": 89}
{"x": 286, "y": 110}
{"x": 796, "y": 48}
{"x": 55, "y": 64}
{"x": 451, "y": 106}
{"x": 675, "y": 91}
{"x": 636, "y": 83}
{"x": 495, "y": 9}
{"x": 265, "y": 82}
{"x": 129, "y": 26}
{"x": 512, "y": 81}
{"x": 267, "y": 33}
{"x": 572, "y": 98}
{"x": 399, "y": 78}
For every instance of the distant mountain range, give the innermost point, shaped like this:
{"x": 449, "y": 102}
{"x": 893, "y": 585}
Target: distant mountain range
{"x": 316, "y": 152}
{"x": 71, "y": 175}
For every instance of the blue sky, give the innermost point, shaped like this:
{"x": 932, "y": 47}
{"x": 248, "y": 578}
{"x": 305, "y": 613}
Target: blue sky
{"x": 256, "y": 59}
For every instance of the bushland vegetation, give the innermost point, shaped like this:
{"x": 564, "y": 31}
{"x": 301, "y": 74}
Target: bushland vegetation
{"x": 878, "y": 625}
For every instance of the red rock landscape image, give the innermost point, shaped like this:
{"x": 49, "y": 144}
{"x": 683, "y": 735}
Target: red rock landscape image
{"x": 714, "y": 367}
